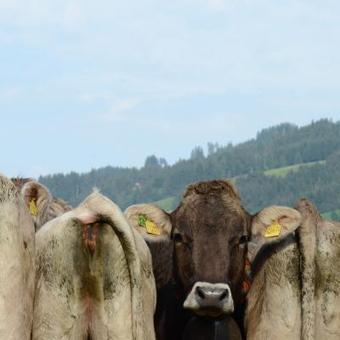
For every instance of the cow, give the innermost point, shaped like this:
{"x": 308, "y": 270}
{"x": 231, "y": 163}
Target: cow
{"x": 273, "y": 309}
{"x": 199, "y": 255}
{"x": 20, "y": 181}
{"x": 296, "y": 287}
{"x": 41, "y": 204}
{"x": 16, "y": 264}
{"x": 204, "y": 328}
{"x": 94, "y": 277}
{"x": 321, "y": 280}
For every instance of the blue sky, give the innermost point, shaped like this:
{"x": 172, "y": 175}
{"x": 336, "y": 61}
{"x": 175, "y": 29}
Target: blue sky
{"x": 85, "y": 84}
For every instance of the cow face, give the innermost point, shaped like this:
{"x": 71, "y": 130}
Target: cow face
{"x": 210, "y": 230}
{"x": 211, "y": 236}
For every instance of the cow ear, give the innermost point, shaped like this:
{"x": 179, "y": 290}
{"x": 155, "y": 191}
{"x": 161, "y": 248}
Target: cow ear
{"x": 37, "y": 197}
{"x": 152, "y": 222}
{"x": 271, "y": 225}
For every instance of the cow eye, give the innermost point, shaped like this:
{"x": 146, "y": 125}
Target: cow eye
{"x": 178, "y": 238}
{"x": 243, "y": 239}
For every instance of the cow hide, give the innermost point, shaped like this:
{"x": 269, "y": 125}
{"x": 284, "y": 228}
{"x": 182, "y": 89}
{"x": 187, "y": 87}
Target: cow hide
{"x": 16, "y": 264}
{"x": 105, "y": 291}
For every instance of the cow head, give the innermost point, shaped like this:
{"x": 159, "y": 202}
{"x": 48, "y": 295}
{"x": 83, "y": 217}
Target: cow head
{"x": 209, "y": 233}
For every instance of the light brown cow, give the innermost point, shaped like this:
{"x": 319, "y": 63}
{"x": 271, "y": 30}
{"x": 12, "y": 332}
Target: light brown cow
{"x": 320, "y": 258}
{"x": 94, "y": 277}
{"x": 16, "y": 264}
{"x": 296, "y": 290}
{"x": 274, "y": 299}
{"x": 42, "y": 205}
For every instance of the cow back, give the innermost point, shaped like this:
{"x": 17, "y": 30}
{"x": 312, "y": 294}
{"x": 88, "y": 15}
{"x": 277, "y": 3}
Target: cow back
{"x": 16, "y": 263}
{"x": 327, "y": 281}
{"x": 106, "y": 292}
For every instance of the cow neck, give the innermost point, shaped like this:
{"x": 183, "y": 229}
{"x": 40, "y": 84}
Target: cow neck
{"x": 252, "y": 268}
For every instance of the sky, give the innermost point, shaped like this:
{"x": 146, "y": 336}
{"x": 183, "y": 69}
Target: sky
{"x": 86, "y": 84}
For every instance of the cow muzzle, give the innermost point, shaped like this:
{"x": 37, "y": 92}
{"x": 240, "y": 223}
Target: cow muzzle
{"x": 208, "y": 299}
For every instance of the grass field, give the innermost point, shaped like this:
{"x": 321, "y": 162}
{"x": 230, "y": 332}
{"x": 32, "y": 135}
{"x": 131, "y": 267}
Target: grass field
{"x": 281, "y": 172}
{"x": 169, "y": 203}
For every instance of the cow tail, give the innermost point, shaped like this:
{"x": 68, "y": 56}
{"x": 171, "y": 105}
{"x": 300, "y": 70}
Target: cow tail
{"x": 307, "y": 245}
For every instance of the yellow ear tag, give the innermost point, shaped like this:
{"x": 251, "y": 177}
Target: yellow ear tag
{"x": 274, "y": 230}
{"x": 33, "y": 208}
{"x": 152, "y": 228}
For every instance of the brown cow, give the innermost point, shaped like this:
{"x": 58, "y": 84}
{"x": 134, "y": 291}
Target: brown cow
{"x": 94, "y": 277}
{"x": 41, "y": 204}
{"x": 199, "y": 252}
{"x": 16, "y": 264}
{"x": 199, "y": 328}
{"x": 20, "y": 181}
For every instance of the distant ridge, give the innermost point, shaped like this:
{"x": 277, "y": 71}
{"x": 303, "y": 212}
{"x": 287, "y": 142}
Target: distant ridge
{"x": 280, "y": 165}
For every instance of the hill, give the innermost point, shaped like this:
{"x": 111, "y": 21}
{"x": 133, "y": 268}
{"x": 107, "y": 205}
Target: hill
{"x": 280, "y": 165}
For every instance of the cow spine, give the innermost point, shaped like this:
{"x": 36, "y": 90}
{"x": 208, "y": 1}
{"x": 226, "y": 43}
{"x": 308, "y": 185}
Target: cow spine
{"x": 307, "y": 245}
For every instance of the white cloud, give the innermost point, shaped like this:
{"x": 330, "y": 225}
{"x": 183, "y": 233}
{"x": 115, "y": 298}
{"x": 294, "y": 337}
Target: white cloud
{"x": 121, "y": 110}
{"x": 149, "y": 63}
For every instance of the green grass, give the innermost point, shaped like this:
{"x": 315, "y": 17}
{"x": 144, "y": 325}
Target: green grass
{"x": 282, "y": 172}
{"x": 167, "y": 204}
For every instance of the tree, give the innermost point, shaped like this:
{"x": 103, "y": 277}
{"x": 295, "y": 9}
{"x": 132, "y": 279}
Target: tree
{"x": 197, "y": 153}
{"x": 151, "y": 161}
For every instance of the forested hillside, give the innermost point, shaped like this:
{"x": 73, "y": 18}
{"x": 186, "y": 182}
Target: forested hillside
{"x": 262, "y": 169}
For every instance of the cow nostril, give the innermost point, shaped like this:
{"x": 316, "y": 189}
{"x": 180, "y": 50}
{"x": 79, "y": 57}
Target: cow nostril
{"x": 200, "y": 293}
{"x": 224, "y": 295}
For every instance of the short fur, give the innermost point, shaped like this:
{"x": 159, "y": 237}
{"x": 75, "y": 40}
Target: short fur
{"x": 207, "y": 232}
{"x": 273, "y": 308}
{"x": 153, "y": 213}
{"x": 320, "y": 244}
{"x": 161, "y": 250}
{"x": 288, "y": 218}
{"x": 16, "y": 264}
{"x": 295, "y": 293}
{"x": 105, "y": 294}
{"x": 307, "y": 245}
{"x": 209, "y": 218}
{"x": 224, "y": 329}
